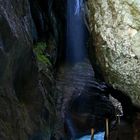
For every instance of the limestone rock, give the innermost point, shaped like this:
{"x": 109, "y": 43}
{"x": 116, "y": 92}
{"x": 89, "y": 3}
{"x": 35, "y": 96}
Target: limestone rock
{"x": 115, "y": 48}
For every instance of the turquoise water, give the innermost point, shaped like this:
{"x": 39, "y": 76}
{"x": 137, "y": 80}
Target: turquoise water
{"x": 98, "y": 136}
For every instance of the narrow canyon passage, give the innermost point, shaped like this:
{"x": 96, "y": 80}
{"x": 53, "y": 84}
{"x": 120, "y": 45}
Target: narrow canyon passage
{"x": 69, "y": 70}
{"x": 80, "y": 95}
{"x": 76, "y": 85}
{"x": 83, "y": 101}
{"x": 83, "y": 104}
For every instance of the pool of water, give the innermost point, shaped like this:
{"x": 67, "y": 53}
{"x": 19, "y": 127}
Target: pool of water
{"x": 98, "y": 136}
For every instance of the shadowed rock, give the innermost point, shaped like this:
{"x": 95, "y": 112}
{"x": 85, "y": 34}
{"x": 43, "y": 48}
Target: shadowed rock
{"x": 88, "y": 111}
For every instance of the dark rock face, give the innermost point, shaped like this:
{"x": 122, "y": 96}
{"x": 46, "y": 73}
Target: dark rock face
{"x": 26, "y": 104}
{"x": 49, "y": 25}
{"x": 82, "y": 102}
{"x": 136, "y": 127}
{"x": 90, "y": 110}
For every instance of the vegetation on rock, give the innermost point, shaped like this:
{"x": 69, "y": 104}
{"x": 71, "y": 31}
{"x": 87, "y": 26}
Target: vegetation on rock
{"x": 39, "y": 50}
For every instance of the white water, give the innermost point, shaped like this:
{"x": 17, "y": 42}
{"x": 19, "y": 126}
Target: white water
{"x": 78, "y": 6}
{"x": 76, "y": 31}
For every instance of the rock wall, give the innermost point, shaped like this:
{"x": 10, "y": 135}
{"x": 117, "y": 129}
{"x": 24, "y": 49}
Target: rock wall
{"x": 26, "y": 89}
{"x": 115, "y": 46}
{"x": 49, "y": 25}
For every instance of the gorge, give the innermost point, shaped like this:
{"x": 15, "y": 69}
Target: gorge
{"x": 66, "y": 67}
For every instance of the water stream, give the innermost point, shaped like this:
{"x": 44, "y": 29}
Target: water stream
{"x": 98, "y": 136}
{"x": 76, "y": 53}
{"x": 76, "y": 31}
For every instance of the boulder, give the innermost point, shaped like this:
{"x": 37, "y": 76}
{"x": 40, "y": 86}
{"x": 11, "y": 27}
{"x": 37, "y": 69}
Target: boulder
{"x": 114, "y": 45}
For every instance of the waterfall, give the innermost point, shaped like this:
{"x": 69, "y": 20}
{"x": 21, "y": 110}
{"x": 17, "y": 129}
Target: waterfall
{"x": 77, "y": 36}
{"x": 76, "y": 32}
{"x": 71, "y": 128}
{"x": 78, "y": 7}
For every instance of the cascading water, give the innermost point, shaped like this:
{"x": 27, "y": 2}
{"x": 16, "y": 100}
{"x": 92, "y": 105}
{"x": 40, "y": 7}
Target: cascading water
{"x": 76, "y": 51}
{"x": 76, "y": 31}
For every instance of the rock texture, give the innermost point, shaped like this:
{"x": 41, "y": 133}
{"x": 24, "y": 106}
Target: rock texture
{"x": 115, "y": 46}
{"x": 80, "y": 98}
{"x": 26, "y": 89}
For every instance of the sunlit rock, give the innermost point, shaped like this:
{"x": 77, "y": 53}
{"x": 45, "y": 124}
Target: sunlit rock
{"x": 115, "y": 48}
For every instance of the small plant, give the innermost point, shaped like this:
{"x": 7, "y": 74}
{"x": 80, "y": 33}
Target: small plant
{"x": 39, "y": 50}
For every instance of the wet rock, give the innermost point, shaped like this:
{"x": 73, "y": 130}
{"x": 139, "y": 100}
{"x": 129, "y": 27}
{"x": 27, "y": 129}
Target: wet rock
{"x": 114, "y": 47}
{"x": 90, "y": 110}
{"x": 49, "y": 25}
{"x": 26, "y": 99}
{"x": 81, "y": 98}
{"x": 136, "y": 128}
{"x": 123, "y": 131}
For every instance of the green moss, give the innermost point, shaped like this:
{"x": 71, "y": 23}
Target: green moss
{"x": 39, "y": 50}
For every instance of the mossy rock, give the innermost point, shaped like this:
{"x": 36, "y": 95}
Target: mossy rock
{"x": 40, "y": 52}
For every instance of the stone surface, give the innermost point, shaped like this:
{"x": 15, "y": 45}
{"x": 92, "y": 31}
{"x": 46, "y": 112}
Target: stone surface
{"x": 26, "y": 89}
{"x": 81, "y": 98}
{"x": 115, "y": 46}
